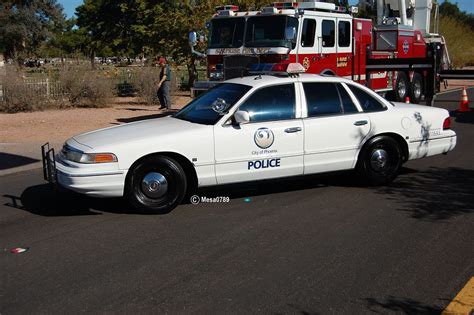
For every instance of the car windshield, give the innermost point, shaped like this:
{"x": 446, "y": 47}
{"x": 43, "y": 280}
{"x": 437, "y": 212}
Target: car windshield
{"x": 202, "y": 110}
{"x": 269, "y": 31}
{"x": 227, "y": 33}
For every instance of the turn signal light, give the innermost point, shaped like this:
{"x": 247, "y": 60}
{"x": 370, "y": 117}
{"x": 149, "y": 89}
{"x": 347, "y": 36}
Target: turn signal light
{"x": 447, "y": 123}
{"x": 104, "y": 158}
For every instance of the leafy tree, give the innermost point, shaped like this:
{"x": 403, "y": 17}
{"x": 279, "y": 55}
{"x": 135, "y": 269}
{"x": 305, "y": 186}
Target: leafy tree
{"x": 26, "y": 24}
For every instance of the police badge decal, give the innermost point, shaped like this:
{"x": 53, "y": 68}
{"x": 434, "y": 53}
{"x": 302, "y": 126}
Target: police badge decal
{"x": 264, "y": 138}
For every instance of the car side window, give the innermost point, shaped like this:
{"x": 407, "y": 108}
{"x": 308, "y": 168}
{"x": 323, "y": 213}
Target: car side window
{"x": 347, "y": 104}
{"x": 271, "y": 103}
{"x": 327, "y": 98}
{"x": 366, "y": 101}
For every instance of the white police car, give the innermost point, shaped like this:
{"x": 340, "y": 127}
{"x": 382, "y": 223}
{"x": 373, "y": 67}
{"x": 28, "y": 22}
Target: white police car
{"x": 253, "y": 128}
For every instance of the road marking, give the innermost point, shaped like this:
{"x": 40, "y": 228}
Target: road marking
{"x": 463, "y": 303}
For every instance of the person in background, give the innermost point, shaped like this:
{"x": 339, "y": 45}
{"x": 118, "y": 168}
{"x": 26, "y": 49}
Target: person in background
{"x": 163, "y": 85}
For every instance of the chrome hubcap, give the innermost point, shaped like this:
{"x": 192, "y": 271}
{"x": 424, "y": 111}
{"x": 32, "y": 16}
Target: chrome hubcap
{"x": 402, "y": 89}
{"x": 379, "y": 160}
{"x": 417, "y": 89}
{"x": 154, "y": 185}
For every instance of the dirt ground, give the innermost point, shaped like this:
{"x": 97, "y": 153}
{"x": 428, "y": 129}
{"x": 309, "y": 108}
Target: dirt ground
{"x": 58, "y": 125}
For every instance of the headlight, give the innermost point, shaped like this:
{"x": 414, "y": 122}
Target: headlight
{"x": 75, "y": 155}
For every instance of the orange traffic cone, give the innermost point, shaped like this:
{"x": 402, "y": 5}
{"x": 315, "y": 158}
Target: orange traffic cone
{"x": 407, "y": 100}
{"x": 464, "y": 106}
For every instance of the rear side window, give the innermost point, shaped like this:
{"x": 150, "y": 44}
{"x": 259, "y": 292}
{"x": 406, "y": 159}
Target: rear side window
{"x": 325, "y": 99}
{"x": 367, "y": 101}
{"x": 344, "y": 34}
{"x": 328, "y": 30}
{"x": 271, "y": 103}
{"x": 309, "y": 31}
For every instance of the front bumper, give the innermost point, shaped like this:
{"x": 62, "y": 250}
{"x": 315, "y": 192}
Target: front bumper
{"x": 98, "y": 180}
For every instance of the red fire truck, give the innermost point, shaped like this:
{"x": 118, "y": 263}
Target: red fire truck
{"x": 399, "y": 57}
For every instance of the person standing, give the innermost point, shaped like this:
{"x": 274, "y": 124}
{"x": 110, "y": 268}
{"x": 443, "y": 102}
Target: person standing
{"x": 164, "y": 84}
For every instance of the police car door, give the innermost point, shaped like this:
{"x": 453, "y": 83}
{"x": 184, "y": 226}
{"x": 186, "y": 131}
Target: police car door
{"x": 270, "y": 145}
{"x": 335, "y": 127}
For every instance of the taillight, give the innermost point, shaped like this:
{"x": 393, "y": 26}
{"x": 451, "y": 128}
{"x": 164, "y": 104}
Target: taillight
{"x": 447, "y": 123}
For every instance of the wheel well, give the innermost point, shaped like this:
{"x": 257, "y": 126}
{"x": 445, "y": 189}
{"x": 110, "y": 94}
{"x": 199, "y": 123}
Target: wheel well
{"x": 188, "y": 167}
{"x": 399, "y": 139}
{"x": 327, "y": 72}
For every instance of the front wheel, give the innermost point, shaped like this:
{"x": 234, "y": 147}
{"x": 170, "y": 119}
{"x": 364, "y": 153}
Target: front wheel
{"x": 156, "y": 184}
{"x": 380, "y": 162}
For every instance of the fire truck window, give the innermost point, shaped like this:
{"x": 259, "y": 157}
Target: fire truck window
{"x": 346, "y": 100}
{"x": 271, "y": 103}
{"x": 227, "y": 33}
{"x": 322, "y": 99}
{"x": 328, "y": 33}
{"x": 309, "y": 30}
{"x": 367, "y": 101}
{"x": 344, "y": 34}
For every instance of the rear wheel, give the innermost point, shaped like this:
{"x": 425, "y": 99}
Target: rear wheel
{"x": 380, "y": 161}
{"x": 401, "y": 87}
{"x": 156, "y": 184}
{"x": 416, "y": 88}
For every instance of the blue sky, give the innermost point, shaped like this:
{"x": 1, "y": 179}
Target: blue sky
{"x": 70, "y": 5}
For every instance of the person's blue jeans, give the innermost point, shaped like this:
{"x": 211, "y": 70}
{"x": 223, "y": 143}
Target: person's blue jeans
{"x": 164, "y": 95}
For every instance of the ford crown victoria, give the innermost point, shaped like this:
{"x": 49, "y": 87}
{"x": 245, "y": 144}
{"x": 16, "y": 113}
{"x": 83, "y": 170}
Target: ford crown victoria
{"x": 252, "y": 128}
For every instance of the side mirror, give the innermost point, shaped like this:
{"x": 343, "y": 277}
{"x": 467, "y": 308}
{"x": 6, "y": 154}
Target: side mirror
{"x": 192, "y": 38}
{"x": 290, "y": 33}
{"x": 242, "y": 117}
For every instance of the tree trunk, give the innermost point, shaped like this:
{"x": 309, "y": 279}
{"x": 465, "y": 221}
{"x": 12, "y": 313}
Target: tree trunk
{"x": 192, "y": 71}
{"x": 92, "y": 56}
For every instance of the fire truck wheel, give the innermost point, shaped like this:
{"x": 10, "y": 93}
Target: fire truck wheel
{"x": 416, "y": 88}
{"x": 379, "y": 161}
{"x": 156, "y": 184}
{"x": 401, "y": 87}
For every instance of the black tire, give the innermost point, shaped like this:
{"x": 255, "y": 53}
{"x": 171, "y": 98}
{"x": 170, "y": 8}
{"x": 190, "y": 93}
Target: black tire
{"x": 149, "y": 198}
{"x": 380, "y": 161}
{"x": 416, "y": 88}
{"x": 401, "y": 87}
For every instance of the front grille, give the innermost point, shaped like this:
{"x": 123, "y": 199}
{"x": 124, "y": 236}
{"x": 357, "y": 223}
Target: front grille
{"x": 237, "y": 65}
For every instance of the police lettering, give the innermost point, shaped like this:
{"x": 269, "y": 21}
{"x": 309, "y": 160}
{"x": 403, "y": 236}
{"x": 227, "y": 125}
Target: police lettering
{"x": 256, "y": 165}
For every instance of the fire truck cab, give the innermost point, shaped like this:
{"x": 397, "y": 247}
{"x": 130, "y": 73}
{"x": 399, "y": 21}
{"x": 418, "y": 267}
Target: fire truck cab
{"x": 327, "y": 40}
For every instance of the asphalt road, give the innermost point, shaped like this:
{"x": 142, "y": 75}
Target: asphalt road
{"x": 318, "y": 245}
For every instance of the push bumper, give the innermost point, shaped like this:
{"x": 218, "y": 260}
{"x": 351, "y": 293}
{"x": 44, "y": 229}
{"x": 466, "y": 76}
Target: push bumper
{"x": 92, "y": 180}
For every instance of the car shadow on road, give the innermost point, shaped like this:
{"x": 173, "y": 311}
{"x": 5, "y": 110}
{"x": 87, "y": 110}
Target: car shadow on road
{"x": 44, "y": 200}
{"x": 435, "y": 194}
{"x": 399, "y": 305}
{"x": 463, "y": 117}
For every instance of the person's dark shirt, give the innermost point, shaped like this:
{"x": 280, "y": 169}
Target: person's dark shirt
{"x": 166, "y": 70}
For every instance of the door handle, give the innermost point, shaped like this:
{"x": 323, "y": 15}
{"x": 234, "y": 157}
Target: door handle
{"x": 293, "y": 129}
{"x": 361, "y": 123}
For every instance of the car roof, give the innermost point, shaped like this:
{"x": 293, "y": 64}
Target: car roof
{"x": 264, "y": 80}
